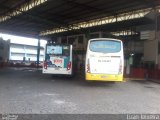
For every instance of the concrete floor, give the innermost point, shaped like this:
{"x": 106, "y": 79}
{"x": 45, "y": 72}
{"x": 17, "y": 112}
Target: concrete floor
{"x": 24, "y": 90}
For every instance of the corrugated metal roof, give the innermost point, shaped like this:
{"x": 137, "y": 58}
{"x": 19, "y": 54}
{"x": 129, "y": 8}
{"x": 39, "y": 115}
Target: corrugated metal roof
{"x": 62, "y": 13}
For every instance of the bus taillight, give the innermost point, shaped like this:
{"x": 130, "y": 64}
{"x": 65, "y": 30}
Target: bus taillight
{"x": 88, "y": 66}
{"x": 120, "y": 67}
{"x": 69, "y": 66}
{"x": 45, "y": 65}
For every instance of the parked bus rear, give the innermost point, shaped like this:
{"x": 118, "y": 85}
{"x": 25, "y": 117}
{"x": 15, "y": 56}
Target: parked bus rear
{"x": 104, "y": 60}
{"x": 58, "y": 59}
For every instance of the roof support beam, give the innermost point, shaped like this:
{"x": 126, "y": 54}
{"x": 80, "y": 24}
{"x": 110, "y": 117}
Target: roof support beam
{"x": 21, "y": 9}
{"x": 93, "y": 11}
{"x": 38, "y": 19}
{"x": 11, "y": 8}
{"x": 101, "y": 21}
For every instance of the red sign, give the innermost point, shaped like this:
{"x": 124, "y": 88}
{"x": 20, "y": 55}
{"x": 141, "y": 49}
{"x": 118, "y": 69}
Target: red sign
{"x": 57, "y": 61}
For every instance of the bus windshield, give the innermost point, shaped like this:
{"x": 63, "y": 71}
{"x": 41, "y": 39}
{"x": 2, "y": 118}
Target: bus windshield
{"x": 105, "y": 46}
{"x": 58, "y": 50}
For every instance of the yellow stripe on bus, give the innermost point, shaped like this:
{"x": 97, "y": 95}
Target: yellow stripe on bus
{"x": 103, "y": 77}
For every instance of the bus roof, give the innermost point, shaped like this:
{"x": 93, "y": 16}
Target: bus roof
{"x": 105, "y": 39}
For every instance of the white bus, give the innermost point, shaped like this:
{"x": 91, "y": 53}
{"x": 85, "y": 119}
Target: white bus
{"x": 58, "y": 59}
{"x": 104, "y": 60}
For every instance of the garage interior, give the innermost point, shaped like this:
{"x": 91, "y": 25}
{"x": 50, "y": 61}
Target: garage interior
{"x": 135, "y": 22}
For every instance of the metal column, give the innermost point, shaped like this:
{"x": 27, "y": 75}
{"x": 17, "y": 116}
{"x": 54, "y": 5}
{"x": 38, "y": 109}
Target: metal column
{"x": 38, "y": 52}
{"x": 156, "y": 37}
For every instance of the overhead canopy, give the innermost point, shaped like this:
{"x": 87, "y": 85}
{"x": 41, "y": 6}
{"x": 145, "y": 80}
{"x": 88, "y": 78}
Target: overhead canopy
{"x": 9, "y": 5}
{"x": 62, "y": 13}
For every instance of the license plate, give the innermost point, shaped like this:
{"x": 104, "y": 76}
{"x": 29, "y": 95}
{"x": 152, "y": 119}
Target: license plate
{"x": 103, "y": 76}
{"x": 57, "y": 68}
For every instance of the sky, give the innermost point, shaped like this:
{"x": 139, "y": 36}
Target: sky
{"x": 22, "y": 40}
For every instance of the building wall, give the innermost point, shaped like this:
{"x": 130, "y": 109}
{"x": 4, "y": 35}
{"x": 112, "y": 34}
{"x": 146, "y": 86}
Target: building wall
{"x": 150, "y": 37}
{"x": 134, "y": 47}
{"x": 19, "y": 51}
{"x": 79, "y": 41}
{"x": 149, "y": 50}
{"x": 152, "y": 49}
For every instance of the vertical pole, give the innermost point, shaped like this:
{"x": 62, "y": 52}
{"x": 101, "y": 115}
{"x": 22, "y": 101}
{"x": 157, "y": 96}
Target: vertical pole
{"x": 9, "y": 50}
{"x": 25, "y": 54}
{"x": 87, "y": 35}
{"x": 38, "y": 52}
{"x": 156, "y": 38}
